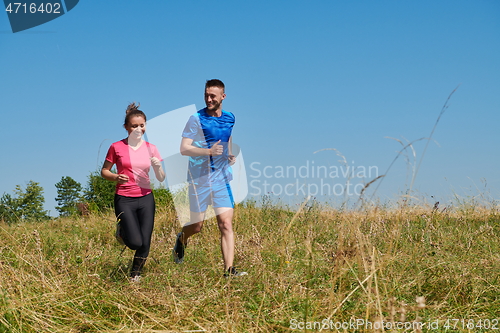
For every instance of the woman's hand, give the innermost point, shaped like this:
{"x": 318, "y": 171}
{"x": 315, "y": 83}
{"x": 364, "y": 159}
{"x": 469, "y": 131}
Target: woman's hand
{"x": 121, "y": 178}
{"x": 155, "y": 162}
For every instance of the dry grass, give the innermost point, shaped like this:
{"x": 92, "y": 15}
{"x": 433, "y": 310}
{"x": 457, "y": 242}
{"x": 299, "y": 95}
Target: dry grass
{"x": 410, "y": 264}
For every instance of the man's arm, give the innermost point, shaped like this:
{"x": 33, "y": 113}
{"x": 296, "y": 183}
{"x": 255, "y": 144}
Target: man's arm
{"x": 231, "y": 158}
{"x": 187, "y": 149}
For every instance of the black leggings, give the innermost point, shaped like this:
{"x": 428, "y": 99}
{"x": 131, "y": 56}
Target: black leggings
{"x": 136, "y": 215}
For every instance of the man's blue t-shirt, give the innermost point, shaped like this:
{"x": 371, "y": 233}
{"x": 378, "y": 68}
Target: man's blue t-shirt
{"x": 205, "y": 131}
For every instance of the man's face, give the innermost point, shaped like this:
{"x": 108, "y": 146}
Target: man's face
{"x": 214, "y": 97}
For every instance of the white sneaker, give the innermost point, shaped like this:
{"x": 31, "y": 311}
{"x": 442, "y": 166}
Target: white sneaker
{"x": 232, "y": 271}
{"x": 135, "y": 279}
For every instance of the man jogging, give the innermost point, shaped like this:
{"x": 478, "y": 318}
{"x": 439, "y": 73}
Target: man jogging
{"x": 206, "y": 139}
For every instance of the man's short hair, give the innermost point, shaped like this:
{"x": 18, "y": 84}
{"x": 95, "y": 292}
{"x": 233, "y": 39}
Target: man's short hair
{"x": 215, "y": 83}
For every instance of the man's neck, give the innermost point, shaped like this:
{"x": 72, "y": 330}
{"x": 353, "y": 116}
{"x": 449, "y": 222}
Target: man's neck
{"x": 214, "y": 113}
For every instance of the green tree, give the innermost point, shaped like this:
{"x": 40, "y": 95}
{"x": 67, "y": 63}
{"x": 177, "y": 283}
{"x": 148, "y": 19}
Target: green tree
{"x": 68, "y": 195}
{"x": 9, "y": 209}
{"x": 27, "y": 205}
{"x": 99, "y": 193}
{"x": 31, "y": 201}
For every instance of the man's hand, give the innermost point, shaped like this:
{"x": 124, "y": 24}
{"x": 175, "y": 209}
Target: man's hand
{"x": 216, "y": 149}
{"x": 231, "y": 159}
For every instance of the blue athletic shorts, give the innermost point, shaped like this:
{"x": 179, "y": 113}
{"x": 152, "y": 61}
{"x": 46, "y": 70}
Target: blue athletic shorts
{"x": 217, "y": 195}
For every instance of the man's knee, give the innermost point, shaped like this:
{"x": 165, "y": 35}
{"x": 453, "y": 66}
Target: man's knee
{"x": 225, "y": 225}
{"x": 193, "y": 228}
{"x": 197, "y": 228}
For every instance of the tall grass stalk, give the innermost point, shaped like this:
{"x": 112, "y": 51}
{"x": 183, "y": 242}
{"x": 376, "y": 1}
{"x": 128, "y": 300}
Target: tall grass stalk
{"x": 416, "y": 167}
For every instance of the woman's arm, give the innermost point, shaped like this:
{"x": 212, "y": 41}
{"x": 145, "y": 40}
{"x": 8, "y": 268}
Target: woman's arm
{"x": 159, "y": 173}
{"x": 107, "y": 174}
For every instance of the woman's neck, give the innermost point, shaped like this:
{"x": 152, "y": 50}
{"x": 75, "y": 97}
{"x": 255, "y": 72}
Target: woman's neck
{"x": 134, "y": 143}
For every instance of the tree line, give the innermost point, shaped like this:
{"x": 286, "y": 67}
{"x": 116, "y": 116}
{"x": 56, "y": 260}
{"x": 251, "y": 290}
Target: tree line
{"x": 97, "y": 196}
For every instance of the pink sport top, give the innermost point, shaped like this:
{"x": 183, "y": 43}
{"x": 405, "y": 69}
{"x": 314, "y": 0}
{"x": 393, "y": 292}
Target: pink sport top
{"x": 135, "y": 164}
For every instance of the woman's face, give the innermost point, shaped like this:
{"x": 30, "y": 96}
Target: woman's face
{"x": 136, "y": 127}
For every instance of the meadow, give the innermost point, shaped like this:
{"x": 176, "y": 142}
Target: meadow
{"x": 310, "y": 269}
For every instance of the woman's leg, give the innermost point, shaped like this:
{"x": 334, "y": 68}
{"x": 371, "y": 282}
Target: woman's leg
{"x": 146, "y": 217}
{"x": 126, "y": 210}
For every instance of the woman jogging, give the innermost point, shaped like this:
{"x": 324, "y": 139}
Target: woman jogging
{"x": 134, "y": 201}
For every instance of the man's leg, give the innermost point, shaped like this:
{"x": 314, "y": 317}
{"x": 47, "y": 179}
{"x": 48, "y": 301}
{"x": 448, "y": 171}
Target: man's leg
{"x": 194, "y": 227}
{"x": 199, "y": 198}
{"x": 225, "y": 223}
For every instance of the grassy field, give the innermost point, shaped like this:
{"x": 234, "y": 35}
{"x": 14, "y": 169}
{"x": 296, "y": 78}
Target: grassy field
{"x": 311, "y": 269}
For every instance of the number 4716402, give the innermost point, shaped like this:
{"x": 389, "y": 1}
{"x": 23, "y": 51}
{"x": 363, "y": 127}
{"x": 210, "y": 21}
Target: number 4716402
{"x": 25, "y": 8}
{"x": 485, "y": 324}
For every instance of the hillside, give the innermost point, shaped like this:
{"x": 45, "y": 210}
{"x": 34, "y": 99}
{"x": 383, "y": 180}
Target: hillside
{"x": 308, "y": 268}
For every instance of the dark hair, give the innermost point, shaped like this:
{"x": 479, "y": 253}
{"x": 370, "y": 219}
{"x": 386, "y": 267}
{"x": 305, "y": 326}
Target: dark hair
{"x": 215, "y": 83}
{"x": 133, "y": 111}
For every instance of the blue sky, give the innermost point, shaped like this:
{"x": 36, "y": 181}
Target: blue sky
{"x": 300, "y": 77}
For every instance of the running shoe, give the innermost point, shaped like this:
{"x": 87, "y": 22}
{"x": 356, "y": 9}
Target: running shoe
{"x": 178, "y": 250}
{"x": 232, "y": 271}
{"x": 118, "y": 234}
{"x": 135, "y": 279}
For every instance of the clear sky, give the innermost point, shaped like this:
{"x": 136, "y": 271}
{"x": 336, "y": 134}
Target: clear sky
{"x": 300, "y": 76}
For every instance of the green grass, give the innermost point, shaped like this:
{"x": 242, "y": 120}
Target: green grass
{"x": 68, "y": 275}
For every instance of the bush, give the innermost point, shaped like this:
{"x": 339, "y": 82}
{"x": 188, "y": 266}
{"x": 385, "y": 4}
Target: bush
{"x": 100, "y": 193}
